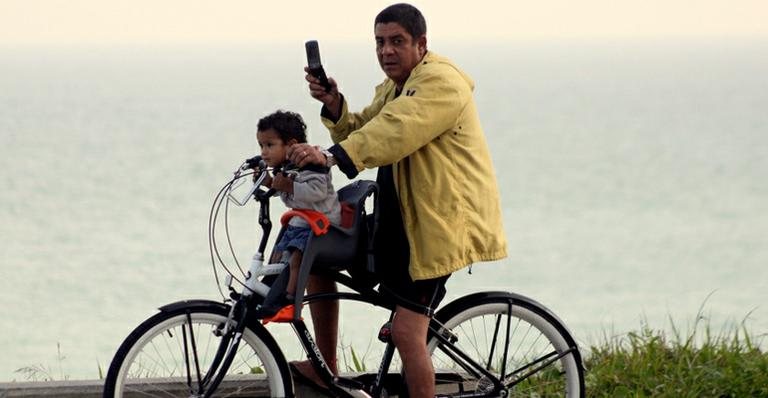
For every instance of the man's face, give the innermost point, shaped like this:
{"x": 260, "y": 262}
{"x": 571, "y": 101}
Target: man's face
{"x": 398, "y": 52}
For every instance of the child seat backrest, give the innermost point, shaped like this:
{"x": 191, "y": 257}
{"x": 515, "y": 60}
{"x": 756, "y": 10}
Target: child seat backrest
{"x": 343, "y": 248}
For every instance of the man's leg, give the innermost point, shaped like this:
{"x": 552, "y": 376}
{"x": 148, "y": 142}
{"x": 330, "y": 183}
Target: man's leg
{"x": 409, "y": 333}
{"x": 325, "y": 319}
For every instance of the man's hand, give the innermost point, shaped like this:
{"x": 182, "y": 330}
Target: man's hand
{"x": 304, "y": 154}
{"x": 331, "y": 99}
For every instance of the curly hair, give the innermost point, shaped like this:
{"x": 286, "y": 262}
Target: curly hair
{"x": 288, "y": 124}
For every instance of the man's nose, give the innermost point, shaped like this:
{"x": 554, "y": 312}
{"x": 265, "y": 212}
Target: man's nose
{"x": 387, "y": 49}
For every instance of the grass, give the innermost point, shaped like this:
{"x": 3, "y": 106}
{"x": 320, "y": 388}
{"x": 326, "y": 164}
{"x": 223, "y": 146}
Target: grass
{"x": 648, "y": 363}
{"x": 41, "y": 372}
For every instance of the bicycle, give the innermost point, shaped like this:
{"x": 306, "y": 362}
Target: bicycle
{"x": 486, "y": 344}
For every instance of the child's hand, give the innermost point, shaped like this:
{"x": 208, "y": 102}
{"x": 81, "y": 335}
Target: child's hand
{"x": 267, "y": 179}
{"x": 282, "y": 183}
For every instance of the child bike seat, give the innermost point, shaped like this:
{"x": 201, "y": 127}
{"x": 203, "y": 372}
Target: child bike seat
{"x": 340, "y": 247}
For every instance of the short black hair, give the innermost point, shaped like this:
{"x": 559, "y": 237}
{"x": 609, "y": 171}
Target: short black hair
{"x": 407, "y": 16}
{"x": 288, "y": 124}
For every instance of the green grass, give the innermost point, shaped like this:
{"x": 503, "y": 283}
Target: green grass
{"x": 648, "y": 363}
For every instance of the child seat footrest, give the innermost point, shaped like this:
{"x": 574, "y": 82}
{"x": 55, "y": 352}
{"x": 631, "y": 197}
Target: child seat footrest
{"x": 317, "y": 221}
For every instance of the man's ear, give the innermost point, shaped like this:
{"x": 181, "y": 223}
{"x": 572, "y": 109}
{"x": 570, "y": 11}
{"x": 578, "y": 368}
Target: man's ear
{"x": 292, "y": 141}
{"x": 422, "y": 43}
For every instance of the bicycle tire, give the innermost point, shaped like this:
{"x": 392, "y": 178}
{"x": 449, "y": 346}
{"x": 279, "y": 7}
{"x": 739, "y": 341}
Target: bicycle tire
{"x": 479, "y": 324}
{"x": 155, "y": 358}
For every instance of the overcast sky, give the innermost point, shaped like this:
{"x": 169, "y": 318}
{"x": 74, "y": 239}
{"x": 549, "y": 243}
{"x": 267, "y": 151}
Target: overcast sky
{"x": 24, "y": 22}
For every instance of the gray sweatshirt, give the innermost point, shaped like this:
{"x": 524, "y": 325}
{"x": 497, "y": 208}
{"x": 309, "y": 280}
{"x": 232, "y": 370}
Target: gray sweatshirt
{"x": 313, "y": 190}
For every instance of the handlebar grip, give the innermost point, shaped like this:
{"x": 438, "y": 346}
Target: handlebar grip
{"x": 253, "y": 163}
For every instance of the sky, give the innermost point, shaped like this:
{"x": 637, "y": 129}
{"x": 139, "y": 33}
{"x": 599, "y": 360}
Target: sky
{"x": 84, "y": 22}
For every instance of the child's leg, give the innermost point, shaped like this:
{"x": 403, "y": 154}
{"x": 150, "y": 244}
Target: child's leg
{"x": 295, "y": 263}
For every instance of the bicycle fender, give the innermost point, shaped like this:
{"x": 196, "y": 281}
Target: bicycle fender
{"x": 198, "y": 304}
{"x": 192, "y": 304}
{"x": 451, "y": 308}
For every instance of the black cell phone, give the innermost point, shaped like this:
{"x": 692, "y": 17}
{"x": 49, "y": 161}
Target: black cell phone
{"x": 315, "y": 67}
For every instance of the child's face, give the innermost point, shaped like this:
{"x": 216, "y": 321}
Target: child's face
{"x": 272, "y": 147}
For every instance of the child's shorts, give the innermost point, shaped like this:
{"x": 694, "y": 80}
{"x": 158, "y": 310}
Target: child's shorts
{"x": 294, "y": 238}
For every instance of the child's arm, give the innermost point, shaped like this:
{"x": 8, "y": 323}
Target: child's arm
{"x": 311, "y": 189}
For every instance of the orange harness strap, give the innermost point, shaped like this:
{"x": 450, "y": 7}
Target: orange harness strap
{"x": 317, "y": 221}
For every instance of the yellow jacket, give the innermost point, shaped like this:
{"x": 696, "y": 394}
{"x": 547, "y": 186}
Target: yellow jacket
{"x": 431, "y": 134}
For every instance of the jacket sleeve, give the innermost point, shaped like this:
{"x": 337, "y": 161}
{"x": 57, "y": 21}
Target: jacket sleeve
{"x": 351, "y": 121}
{"x": 429, "y": 105}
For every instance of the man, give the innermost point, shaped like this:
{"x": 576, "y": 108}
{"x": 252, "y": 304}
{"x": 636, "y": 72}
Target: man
{"x": 438, "y": 199}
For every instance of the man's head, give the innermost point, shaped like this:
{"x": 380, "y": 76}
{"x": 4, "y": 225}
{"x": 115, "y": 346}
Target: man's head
{"x": 401, "y": 40}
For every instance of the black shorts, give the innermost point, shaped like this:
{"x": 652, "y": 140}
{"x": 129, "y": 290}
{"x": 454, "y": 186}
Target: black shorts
{"x": 422, "y": 296}
{"x": 392, "y": 255}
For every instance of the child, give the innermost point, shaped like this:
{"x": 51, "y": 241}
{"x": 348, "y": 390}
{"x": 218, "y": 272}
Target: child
{"x": 308, "y": 189}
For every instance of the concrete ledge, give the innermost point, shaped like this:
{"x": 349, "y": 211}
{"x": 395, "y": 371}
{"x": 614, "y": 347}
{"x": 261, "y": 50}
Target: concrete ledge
{"x": 95, "y": 388}
{"x": 60, "y": 389}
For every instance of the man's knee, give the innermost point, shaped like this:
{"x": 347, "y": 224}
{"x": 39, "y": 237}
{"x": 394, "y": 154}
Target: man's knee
{"x": 409, "y": 329}
{"x": 401, "y": 334}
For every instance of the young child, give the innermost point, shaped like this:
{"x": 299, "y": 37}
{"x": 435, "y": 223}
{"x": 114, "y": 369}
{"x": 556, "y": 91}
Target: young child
{"x": 308, "y": 189}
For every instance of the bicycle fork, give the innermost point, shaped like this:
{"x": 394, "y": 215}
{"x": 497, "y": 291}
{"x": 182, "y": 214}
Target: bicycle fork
{"x": 231, "y": 333}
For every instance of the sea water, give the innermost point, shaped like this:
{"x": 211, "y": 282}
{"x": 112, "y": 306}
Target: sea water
{"x": 633, "y": 179}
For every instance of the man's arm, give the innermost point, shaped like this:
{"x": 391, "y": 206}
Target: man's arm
{"x": 340, "y": 127}
{"x": 430, "y": 105}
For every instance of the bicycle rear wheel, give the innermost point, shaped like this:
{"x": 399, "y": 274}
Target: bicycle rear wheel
{"x": 170, "y": 354}
{"x": 515, "y": 340}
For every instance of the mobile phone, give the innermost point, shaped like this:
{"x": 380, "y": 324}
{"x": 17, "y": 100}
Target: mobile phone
{"x": 313, "y": 62}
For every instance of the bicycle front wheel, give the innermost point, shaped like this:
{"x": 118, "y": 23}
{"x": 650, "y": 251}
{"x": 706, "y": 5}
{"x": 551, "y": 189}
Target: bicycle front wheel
{"x": 511, "y": 346}
{"x": 170, "y": 354}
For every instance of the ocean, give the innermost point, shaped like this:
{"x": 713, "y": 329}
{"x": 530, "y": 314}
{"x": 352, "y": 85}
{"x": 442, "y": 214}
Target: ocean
{"x": 633, "y": 179}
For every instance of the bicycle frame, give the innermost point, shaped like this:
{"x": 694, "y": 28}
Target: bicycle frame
{"x": 253, "y": 286}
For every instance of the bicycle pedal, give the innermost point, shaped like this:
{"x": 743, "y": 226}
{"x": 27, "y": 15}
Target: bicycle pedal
{"x": 348, "y": 383}
{"x": 385, "y": 333}
{"x": 354, "y": 392}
